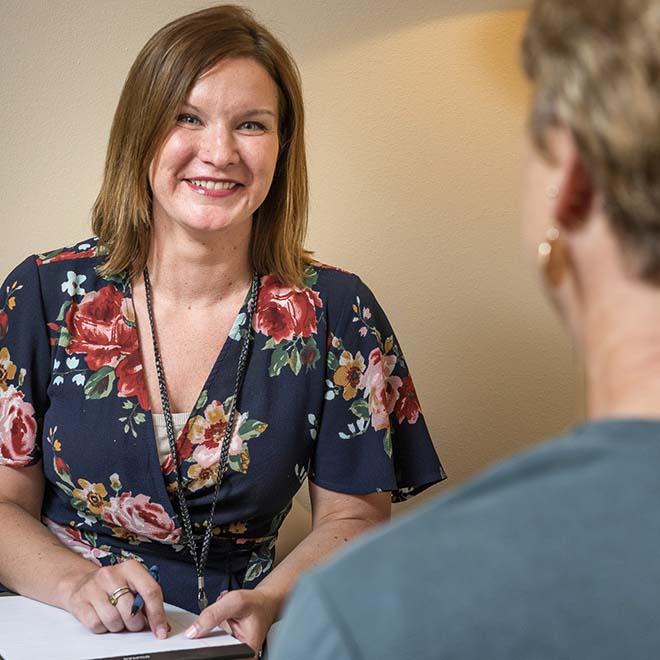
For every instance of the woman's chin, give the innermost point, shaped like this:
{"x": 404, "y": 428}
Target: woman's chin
{"x": 206, "y": 228}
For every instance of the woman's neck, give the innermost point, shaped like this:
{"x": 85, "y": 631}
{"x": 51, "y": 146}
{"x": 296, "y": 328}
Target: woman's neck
{"x": 203, "y": 271}
{"x": 622, "y": 352}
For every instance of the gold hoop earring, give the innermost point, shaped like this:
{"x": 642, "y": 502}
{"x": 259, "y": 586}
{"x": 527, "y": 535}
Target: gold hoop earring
{"x": 553, "y": 258}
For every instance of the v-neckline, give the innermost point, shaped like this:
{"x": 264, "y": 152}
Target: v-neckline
{"x": 228, "y": 345}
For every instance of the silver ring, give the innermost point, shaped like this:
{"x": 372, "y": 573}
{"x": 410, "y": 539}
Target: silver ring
{"x": 117, "y": 594}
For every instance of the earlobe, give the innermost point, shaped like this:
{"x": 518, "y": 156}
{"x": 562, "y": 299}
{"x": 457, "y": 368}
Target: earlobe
{"x": 553, "y": 258}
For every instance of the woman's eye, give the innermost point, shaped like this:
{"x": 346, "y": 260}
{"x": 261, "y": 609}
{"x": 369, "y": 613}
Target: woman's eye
{"x": 188, "y": 119}
{"x": 252, "y": 127}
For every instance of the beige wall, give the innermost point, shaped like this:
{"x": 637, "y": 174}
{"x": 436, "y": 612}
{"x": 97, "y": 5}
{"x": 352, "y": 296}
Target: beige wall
{"x": 415, "y": 129}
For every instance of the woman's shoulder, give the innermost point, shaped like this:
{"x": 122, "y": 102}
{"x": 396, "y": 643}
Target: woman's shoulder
{"x": 84, "y": 250}
{"x": 65, "y": 271}
{"x": 329, "y": 280}
{"x": 42, "y": 267}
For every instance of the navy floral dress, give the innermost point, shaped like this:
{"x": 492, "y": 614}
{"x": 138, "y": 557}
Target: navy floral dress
{"x": 326, "y": 394}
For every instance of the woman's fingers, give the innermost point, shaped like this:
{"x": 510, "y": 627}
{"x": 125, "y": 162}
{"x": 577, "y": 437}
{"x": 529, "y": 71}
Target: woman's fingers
{"x": 109, "y": 615}
{"x": 238, "y": 613}
{"x": 87, "y": 615}
{"x": 94, "y": 608}
{"x": 131, "y": 623}
{"x": 230, "y": 606}
{"x": 154, "y": 610}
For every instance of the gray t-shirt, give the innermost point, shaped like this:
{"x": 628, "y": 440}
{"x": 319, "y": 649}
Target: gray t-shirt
{"x": 553, "y": 555}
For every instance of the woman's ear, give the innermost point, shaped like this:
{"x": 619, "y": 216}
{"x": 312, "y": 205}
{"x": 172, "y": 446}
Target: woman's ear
{"x": 576, "y": 195}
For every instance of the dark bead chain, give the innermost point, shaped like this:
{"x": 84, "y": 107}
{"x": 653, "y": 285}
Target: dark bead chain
{"x": 223, "y": 462}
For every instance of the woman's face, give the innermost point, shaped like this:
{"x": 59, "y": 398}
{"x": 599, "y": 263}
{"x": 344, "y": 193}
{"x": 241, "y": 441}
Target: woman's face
{"x": 216, "y": 166}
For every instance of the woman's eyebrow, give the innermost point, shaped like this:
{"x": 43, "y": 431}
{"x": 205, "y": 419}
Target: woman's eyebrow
{"x": 249, "y": 111}
{"x": 260, "y": 111}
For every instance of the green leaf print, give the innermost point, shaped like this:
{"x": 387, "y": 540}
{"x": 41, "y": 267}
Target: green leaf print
{"x": 294, "y": 361}
{"x": 360, "y": 408}
{"x": 333, "y": 361}
{"x": 278, "y": 361}
{"x": 64, "y": 338}
{"x": 64, "y": 487}
{"x": 251, "y": 428}
{"x": 203, "y": 398}
{"x": 387, "y": 443}
{"x": 100, "y": 383}
{"x": 311, "y": 276}
{"x": 62, "y": 313}
{"x": 235, "y": 463}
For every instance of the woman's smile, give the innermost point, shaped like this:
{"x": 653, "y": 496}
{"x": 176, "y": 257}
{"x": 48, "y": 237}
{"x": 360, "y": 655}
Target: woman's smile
{"x": 213, "y": 187}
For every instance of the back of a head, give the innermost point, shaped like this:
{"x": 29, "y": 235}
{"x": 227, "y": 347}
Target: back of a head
{"x": 595, "y": 65}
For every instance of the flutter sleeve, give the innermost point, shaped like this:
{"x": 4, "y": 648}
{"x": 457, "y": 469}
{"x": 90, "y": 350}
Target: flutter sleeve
{"x": 24, "y": 366}
{"x": 372, "y": 435}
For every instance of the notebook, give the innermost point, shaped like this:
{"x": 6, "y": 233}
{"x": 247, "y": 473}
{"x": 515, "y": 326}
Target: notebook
{"x": 29, "y": 629}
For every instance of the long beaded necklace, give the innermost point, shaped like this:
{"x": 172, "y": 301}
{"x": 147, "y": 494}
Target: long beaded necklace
{"x": 223, "y": 462}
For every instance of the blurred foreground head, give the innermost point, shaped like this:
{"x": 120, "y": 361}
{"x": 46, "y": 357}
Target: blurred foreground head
{"x": 595, "y": 68}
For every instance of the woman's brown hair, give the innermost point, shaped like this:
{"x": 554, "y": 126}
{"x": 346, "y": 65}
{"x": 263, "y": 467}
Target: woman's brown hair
{"x": 156, "y": 87}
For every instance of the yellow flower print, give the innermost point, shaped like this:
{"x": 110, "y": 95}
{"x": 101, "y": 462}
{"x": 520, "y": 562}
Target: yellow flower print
{"x": 201, "y": 477}
{"x": 245, "y": 460}
{"x": 7, "y": 368}
{"x": 11, "y": 303}
{"x": 348, "y": 373}
{"x": 92, "y": 494}
{"x": 237, "y": 528}
{"x": 126, "y": 535}
{"x": 215, "y": 414}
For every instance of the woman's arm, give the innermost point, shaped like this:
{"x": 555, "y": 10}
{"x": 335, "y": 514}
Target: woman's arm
{"x": 337, "y": 518}
{"x": 28, "y": 567}
{"x": 34, "y": 563}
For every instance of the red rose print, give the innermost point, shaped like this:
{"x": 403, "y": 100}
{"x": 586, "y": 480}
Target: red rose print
{"x": 72, "y": 539}
{"x": 100, "y": 328}
{"x": 18, "y": 428}
{"x": 61, "y": 466}
{"x": 407, "y": 407}
{"x": 130, "y": 381}
{"x": 308, "y": 355}
{"x": 4, "y": 322}
{"x": 184, "y": 446}
{"x": 68, "y": 255}
{"x": 167, "y": 466}
{"x": 284, "y": 312}
{"x": 142, "y": 517}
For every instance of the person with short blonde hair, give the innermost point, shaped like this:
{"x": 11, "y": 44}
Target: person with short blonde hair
{"x": 594, "y": 72}
{"x": 167, "y": 386}
{"x": 552, "y": 554}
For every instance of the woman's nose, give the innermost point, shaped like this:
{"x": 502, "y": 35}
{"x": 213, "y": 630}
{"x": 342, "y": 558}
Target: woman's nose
{"x": 219, "y": 148}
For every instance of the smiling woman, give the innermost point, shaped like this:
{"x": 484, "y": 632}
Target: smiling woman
{"x": 215, "y": 168}
{"x": 168, "y": 385}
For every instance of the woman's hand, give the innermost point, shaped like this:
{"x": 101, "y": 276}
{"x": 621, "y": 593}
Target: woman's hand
{"x": 247, "y": 614}
{"x": 88, "y": 599}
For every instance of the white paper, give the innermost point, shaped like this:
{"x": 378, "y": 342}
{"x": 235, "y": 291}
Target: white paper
{"x": 29, "y": 630}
